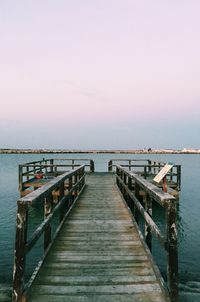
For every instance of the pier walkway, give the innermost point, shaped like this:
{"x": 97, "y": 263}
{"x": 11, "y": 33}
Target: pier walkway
{"x": 99, "y": 254}
{"x": 84, "y": 227}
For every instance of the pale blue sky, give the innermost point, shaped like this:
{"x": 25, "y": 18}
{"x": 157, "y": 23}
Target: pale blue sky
{"x": 99, "y": 74}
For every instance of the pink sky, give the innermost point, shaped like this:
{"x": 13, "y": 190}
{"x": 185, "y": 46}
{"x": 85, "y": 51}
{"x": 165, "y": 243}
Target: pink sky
{"x": 99, "y": 62}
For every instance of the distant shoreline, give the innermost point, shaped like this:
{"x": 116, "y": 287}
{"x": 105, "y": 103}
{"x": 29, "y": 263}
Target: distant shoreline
{"x": 55, "y": 151}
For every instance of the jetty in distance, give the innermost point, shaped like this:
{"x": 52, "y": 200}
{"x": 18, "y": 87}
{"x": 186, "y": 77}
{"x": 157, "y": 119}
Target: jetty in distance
{"x": 97, "y": 231}
{"x": 99, "y": 151}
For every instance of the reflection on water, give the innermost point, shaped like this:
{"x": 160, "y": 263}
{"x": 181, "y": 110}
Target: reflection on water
{"x": 188, "y": 214}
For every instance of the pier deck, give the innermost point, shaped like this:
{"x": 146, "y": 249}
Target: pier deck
{"x": 99, "y": 254}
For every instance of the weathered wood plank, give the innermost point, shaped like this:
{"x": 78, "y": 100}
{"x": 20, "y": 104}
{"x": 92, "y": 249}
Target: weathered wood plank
{"x": 140, "y": 270}
{"x": 134, "y": 297}
{"x": 100, "y": 289}
{"x": 94, "y": 280}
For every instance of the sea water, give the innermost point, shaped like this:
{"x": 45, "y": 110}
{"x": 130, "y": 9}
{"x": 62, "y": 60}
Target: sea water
{"x": 188, "y": 214}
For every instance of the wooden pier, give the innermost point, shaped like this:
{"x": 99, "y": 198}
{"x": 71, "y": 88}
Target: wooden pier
{"x": 97, "y": 252}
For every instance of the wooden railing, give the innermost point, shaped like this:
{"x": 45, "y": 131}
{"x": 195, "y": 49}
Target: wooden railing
{"x": 69, "y": 186}
{"x": 139, "y": 195}
{"x": 49, "y": 168}
{"x": 148, "y": 169}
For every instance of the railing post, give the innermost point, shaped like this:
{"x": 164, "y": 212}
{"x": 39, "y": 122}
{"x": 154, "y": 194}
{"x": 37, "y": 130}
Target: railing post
{"x": 137, "y": 195}
{"x": 70, "y": 198}
{"x": 61, "y": 194}
{"x": 51, "y": 163}
{"x": 124, "y": 190}
{"x": 154, "y": 168}
{"x": 91, "y": 166}
{"x": 34, "y": 169}
{"x": 145, "y": 172}
{"x": 129, "y": 200}
{"x": 55, "y": 171}
{"x": 149, "y": 163}
{"x": 20, "y": 252}
{"x": 45, "y": 169}
{"x": 47, "y": 211}
{"x": 171, "y": 175}
{"x": 179, "y": 177}
{"x": 129, "y": 183}
{"x": 83, "y": 174}
{"x": 172, "y": 267}
{"x": 148, "y": 233}
{"x": 20, "y": 179}
{"x": 75, "y": 182}
{"x": 117, "y": 173}
{"x": 110, "y": 166}
{"x": 27, "y": 171}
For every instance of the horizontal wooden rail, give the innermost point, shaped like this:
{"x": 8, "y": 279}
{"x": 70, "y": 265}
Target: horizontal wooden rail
{"x": 148, "y": 169}
{"x": 139, "y": 194}
{"x": 69, "y": 185}
{"x": 145, "y": 215}
{"x": 49, "y": 168}
{"x": 41, "y": 167}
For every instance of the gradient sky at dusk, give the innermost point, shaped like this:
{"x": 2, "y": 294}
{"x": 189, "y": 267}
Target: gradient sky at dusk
{"x": 99, "y": 74}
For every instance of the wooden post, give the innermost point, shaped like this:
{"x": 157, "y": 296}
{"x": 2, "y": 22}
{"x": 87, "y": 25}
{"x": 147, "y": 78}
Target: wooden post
{"x": 83, "y": 174}
{"x": 129, "y": 162}
{"x": 124, "y": 190}
{"x": 149, "y": 163}
{"x": 51, "y": 163}
{"x": 148, "y": 233}
{"x": 145, "y": 172}
{"x": 45, "y": 170}
{"x": 165, "y": 184}
{"x": 91, "y": 166}
{"x": 61, "y": 194}
{"x": 130, "y": 202}
{"x": 20, "y": 252}
{"x": 137, "y": 195}
{"x": 47, "y": 211}
{"x": 172, "y": 267}
{"x": 27, "y": 171}
{"x": 110, "y": 166}
{"x": 55, "y": 171}
{"x": 20, "y": 179}
{"x": 171, "y": 174}
{"x": 117, "y": 173}
{"x": 34, "y": 169}
{"x": 179, "y": 177}
{"x": 70, "y": 199}
{"x": 79, "y": 174}
{"x": 75, "y": 182}
{"x": 129, "y": 183}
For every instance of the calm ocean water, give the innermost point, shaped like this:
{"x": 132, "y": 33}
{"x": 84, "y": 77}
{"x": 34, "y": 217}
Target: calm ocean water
{"x": 189, "y": 214}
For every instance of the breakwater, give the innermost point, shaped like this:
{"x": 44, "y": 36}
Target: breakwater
{"x": 120, "y": 151}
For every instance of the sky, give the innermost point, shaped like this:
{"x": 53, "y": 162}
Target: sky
{"x": 99, "y": 74}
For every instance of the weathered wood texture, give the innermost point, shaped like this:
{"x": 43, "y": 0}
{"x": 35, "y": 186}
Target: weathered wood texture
{"x": 49, "y": 168}
{"x": 139, "y": 195}
{"x": 98, "y": 255}
{"x": 69, "y": 185}
{"x": 149, "y": 169}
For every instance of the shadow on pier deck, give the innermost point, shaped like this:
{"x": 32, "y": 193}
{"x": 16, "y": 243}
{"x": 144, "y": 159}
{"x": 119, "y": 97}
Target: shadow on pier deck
{"x": 99, "y": 253}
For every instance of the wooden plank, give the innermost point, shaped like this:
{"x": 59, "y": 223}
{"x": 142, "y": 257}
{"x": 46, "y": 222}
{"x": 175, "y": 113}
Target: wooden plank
{"x": 134, "y": 297}
{"x": 98, "y": 290}
{"x": 98, "y": 255}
